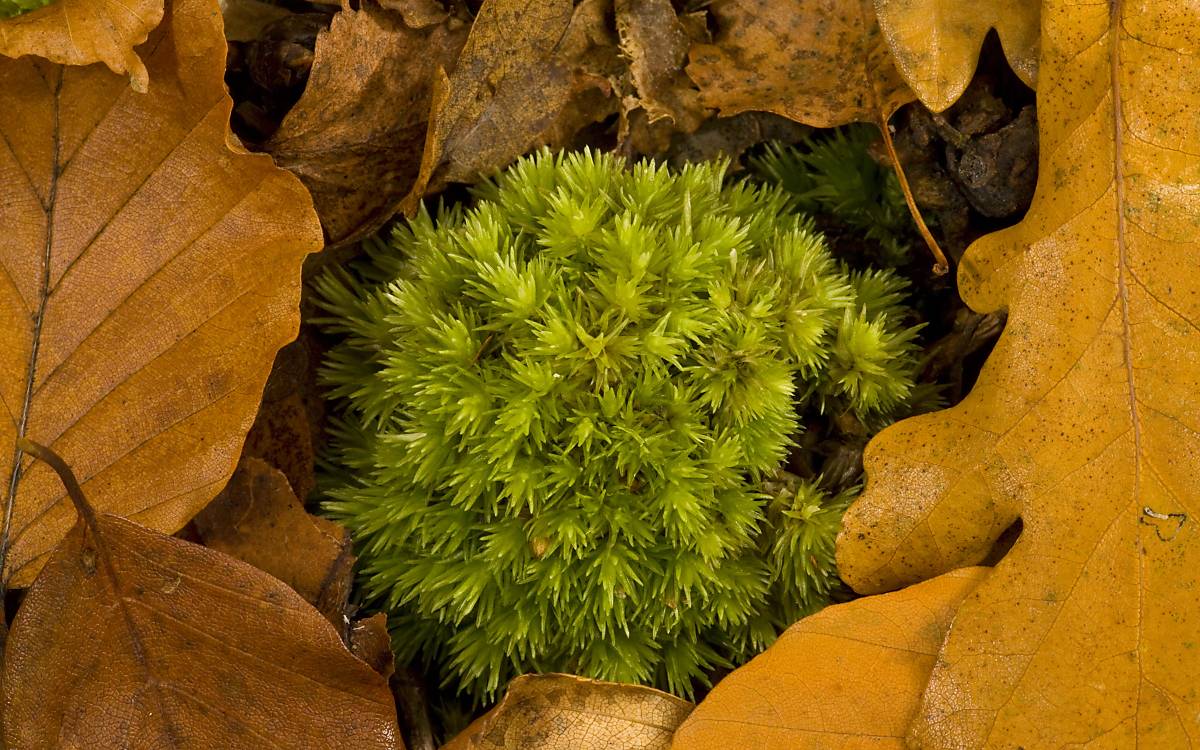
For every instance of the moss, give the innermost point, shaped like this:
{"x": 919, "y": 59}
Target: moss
{"x": 9, "y": 8}
{"x": 564, "y": 411}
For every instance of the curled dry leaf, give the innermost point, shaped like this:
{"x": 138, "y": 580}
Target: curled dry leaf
{"x": 518, "y": 84}
{"x": 82, "y": 32}
{"x": 564, "y": 712}
{"x": 148, "y": 273}
{"x": 258, "y": 520}
{"x": 1083, "y": 423}
{"x": 355, "y": 137}
{"x": 129, "y": 638}
{"x": 820, "y": 62}
{"x": 656, "y": 44}
{"x": 371, "y": 643}
{"x": 936, "y": 42}
{"x": 848, "y": 677}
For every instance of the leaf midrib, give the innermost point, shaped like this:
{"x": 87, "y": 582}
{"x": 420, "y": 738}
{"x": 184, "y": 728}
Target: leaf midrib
{"x": 38, "y": 319}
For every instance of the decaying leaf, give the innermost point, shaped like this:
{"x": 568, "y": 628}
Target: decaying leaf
{"x": 258, "y": 520}
{"x": 149, "y": 270}
{"x": 656, "y": 44}
{"x": 517, "y": 85}
{"x": 418, "y": 14}
{"x": 847, "y": 677}
{"x": 1084, "y": 422}
{"x": 246, "y": 19}
{"x": 371, "y": 643}
{"x": 129, "y": 638}
{"x": 290, "y": 420}
{"x": 564, "y": 712}
{"x": 355, "y": 137}
{"x": 820, "y": 62}
{"x": 82, "y": 32}
{"x": 936, "y": 42}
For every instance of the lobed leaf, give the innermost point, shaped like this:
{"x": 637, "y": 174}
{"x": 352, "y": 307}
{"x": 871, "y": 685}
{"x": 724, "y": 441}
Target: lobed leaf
{"x": 1083, "y": 423}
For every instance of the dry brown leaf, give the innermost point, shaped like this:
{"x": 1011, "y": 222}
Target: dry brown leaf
{"x": 258, "y": 520}
{"x": 847, "y": 677}
{"x": 132, "y": 639}
{"x": 82, "y": 32}
{"x": 418, "y": 14}
{"x": 564, "y": 712}
{"x": 372, "y": 644}
{"x": 149, "y": 270}
{"x": 656, "y": 44}
{"x": 820, "y": 62}
{"x": 936, "y": 42}
{"x": 291, "y": 418}
{"x": 355, "y": 137}
{"x": 1083, "y": 422}
{"x": 246, "y": 19}
{"x": 520, "y": 82}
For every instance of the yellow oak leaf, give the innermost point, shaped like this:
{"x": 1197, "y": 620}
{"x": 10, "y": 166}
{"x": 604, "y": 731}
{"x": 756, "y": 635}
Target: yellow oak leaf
{"x": 1085, "y": 422}
{"x": 848, "y": 677}
{"x": 936, "y": 42}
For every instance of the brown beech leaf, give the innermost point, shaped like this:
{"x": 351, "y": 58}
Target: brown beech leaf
{"x": 936, "y": 42}
{"x": 1084, "y": 422}
{"x": 258, "y": 520}
{"x": 820, "y": 62}
{"x": 149, "y": 271}
{"x": 848, "y": 677}
{"x": 656, "y": 44}
{"x": 517, "y": 85}
{"x": 82, "y": 32}
{"x": 355, "y": 137}
{"x": 565, "y": 712}
{"x": 132, "y": 639}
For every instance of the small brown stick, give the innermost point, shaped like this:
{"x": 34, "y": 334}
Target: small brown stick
{"x": 940, "y": 265}
{"x": 55, "y": 461}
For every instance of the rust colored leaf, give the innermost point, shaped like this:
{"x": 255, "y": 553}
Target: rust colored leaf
{"x": 564, "y": 712}
{"x": 517, "y": 85}
{"x": 355, "y": 138}
{"x": 149, "y": 271}
{"x": 1084, "y": 422}
{"x": 82, "y": 32}
{"x": 848, "y": 677}
{"x": 936, "y": 42}
{"x": 820, "y": 62}
{"x": 258, "y": 520}
{"x": 129, "y": 638}
{"x": 656, "y": 43}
